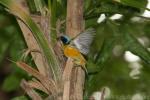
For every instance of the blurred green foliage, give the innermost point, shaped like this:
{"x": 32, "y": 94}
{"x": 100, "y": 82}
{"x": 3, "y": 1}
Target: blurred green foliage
{"x": 11, "y": 47}
{"x": 105, "y": 68}
{"x": 7, "y": 85}
{"x": 20, "y": 98}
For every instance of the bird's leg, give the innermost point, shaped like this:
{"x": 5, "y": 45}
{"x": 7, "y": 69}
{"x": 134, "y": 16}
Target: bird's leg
{"x": 78, "y": 63}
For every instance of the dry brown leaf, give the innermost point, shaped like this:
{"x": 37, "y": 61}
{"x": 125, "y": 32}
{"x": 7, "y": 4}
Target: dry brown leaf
{"x": 29, "y": 90}
{"x": 50, "y": 85}
{"x": 36, "y": 84}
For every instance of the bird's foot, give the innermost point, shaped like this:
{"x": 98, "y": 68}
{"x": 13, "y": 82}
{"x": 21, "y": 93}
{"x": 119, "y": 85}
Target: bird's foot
{"x": 79, "y": 64}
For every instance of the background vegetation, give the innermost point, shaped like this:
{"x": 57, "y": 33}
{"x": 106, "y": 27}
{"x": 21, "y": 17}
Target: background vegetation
{"x": 108, "y": 63}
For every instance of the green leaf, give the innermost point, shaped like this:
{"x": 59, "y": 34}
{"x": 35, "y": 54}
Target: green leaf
{"x": 131, "y": 44}
{"x": 102, "y": 57}
{"x": 147, "y": 30}
{"x": 31, "y": 6}
{"x": 105, "y": 51}
{"x": 91, "y": 22}
{"x": 87, "y": 6}
{"x": 20, "y": 98}
{"x": 11, "y": 83}
{"x": 52, "y": 5}
{"x": 134, "y": 3}
{"x": 110, "y": 7}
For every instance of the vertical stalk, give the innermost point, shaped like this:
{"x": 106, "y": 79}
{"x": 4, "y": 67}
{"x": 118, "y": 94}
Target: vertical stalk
{"x": 74, "y": 17}
{"x": 74, "y": 26}
{"x": 52, "y": 7}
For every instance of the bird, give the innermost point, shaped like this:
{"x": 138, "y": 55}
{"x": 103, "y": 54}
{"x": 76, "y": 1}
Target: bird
{"x": 78, "y": 46}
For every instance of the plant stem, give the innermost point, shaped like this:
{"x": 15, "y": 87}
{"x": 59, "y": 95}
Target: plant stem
{"x": 74, "y": 26}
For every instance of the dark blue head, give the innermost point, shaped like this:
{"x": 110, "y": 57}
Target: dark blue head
{"x": 65, "y": 39}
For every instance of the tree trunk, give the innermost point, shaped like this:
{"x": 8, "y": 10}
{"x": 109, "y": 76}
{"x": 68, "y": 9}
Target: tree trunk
{"x": 76, "y": 78}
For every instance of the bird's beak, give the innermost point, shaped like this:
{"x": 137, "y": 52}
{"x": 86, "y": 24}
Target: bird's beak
{"x": 59, "y": 40}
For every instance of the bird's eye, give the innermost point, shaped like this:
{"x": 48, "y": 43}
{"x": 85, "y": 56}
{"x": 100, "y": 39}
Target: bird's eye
{"x": 64, "y": 39}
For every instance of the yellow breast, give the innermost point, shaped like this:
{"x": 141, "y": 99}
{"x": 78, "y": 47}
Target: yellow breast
{"x": 71, "y": 52}
{"x": 74, "y": 53}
